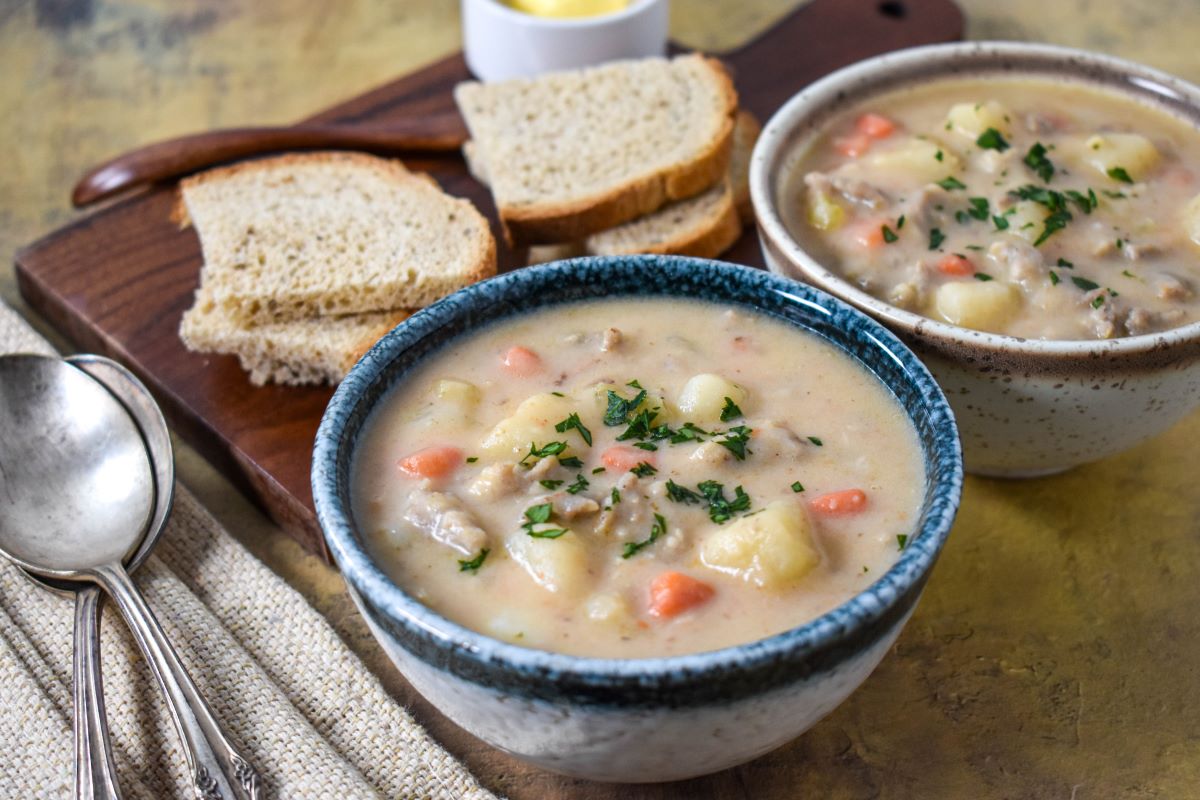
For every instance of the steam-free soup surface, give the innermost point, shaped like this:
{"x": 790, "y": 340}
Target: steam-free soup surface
{"x": 637, "y": 478}
{"x": 1041, "y": 210}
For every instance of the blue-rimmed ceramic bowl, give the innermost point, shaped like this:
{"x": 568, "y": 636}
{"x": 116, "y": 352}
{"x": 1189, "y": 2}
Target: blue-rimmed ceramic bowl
{"x": 638, "y": 719}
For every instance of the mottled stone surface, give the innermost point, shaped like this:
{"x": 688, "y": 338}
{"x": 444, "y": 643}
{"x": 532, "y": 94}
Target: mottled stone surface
{"x": 1056, "y": 653}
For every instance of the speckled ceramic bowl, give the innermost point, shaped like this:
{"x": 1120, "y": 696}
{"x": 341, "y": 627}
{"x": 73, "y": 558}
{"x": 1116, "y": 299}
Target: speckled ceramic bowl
{"x": 1025, "y": 407}
{"x": 642, "y": 719}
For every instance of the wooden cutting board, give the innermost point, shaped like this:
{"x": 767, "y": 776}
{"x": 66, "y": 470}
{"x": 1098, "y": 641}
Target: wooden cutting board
{"x": 117, "y": 280}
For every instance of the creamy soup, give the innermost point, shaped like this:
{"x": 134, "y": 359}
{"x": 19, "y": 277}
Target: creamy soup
{"x": 1041, "y": 210}
{"x": 637, "y": 478}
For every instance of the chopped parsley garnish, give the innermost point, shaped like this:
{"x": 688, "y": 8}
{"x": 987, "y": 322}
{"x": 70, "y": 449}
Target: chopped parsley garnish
{"x": 645, "y": 446}
{"x": 687, "y": 433}
{"x": 797, "y": 486}
{"x": 473, "y": 564}
{"x": 889, "y": 235}
{"x": 938, "y": 155}
{"x": 571, "y": 462}
{"x": 643, "y": 470}
{"x": 551, "y": 485}
{"x": 578, "y": 486}
{"x": 640, "y": 426}
{"x": 901, "y": 540}
{"x": 1084, "y": 283}
{"x": 1119, "y": 174}
{"x": 816, "y": 440}
{"x": 616, "y": 495}
{"x": 540, "y": 515}
{"x": 983, "y": 276}
{"x": 598, "y": 470}
{"x": 1086, "y": 203}
{"x": 1001, "y": 222}
{"x": 962, "y": 218}
{"x": 1120, "y": 243}
{"x": 979, "y": 208}
{"x": 1062, "y": 262}
{"x": 730, "y": 411}
{"x": 634, "y": 383}
{"x": 572, "y": 422}
{"x": 1036, "y": 160}
{"x": 900, "y": 223}
{"x": 558, "y": 394}
{"x": 949, "y": 183}
{"x": 620, "y": 409}
{"x": 720, "y": 509}
{"x": 735, "y": 441}
{"x": 1129, "y": 274}
{"x": 681, "y": 494}
{"x": 1054, "y": 279}
{"x": 656, "y": 530}
{"x": 992, "y": 140}
{"x": 548, "y": 449}
{"x": 1053, "y": 223}
{"x": 1113, "y": 195}
{"x": 936, "y": 237}
{"x": 1098, "y": 301}
{"x": 472, "y": 459}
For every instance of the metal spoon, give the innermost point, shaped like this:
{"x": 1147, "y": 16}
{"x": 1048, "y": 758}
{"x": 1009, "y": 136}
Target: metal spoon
{"x": 77, "y": 493}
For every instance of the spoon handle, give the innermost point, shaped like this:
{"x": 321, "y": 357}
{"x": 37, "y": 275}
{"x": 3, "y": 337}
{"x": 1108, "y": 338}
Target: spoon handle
{"x": 219, "y": 772}
{"x": 95, "y": 773}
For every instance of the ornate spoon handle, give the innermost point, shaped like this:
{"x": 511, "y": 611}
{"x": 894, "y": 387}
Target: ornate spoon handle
{"x": 218, "y": 770}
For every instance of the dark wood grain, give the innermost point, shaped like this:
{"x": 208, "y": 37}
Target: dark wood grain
{"x": 117, "y": 281}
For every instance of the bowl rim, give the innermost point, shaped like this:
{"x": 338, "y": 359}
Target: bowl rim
{"x": 777, "y": 140}
{"x": 868, "y": 606}
{"x": 512, "y": 15}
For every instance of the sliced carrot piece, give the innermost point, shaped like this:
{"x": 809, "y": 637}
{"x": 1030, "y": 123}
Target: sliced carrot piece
{"x": 852, "y": 146}
{"x": 836, "y": 504}
{"x": 432, "y": 462}
{"x": 521, "y": 362}
{"x": 954, "y": 264}
{"x": 621, "y": 458}
{"x": 869, "y": 235}
{"x": 672, "y": 593}
{"x": 876, "y": 126}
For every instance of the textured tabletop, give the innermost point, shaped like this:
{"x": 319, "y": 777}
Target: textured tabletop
{"x": 1056, "y": 652}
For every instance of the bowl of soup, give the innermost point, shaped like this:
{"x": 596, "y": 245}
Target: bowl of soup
{"x": 1025, "y": 217}
{"x": 637, "y": 518}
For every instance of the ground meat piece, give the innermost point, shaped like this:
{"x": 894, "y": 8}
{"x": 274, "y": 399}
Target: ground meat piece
{"x": 922, "y": 208}
{"x": 1136, "y": 251}
{"x": 1039, "y": 123}
{"x": 442, "y": 516}
{"x": 1020, "y": 260}
{"x": 629, "y": 519}
{"x": 1170, "y": 287}
{"x": 1141, "y": 320}
{"x": 610, "y": 340}
{"x": 569, "y": 506}
{"x": 542, "y": 469}
{"x": 853, "y": 189}
{"x": 496, "y": 481}
{"x": 1106, "y": 318}
{"x": 773, "y": 439}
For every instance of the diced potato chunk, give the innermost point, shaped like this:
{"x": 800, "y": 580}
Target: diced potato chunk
{"x": 461, "y": 393}
{"x": 703, "y": 397}
{"x": 1131, "y": 152}
{"x": 1191, "y": 220}
{"x": 972, "y": 119}
{"x": 824, "y": 212}
{"x": 557, "y": 565}
{"x": 984, "y": 306}
{"x": 1027, "y": 220}
{"x": 771, "y": 549}
{"x": 913, "y": 160}
{"x": 533, "y": 421}
{"x": 609, "y": 608}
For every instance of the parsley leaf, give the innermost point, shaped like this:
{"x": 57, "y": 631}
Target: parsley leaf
{"x": 816, "y": 440}
{"x": 1054, "y": 279}
{"x": 540, "y": 515}
{"x": 936, "y": 237}
{"x": 656, "y": 530}
{"x": 889, "y": 235}
{"x": 1036, "y": 160}
{"x": 1062, "y": 262}
{"x": 688, "y": 433}
{"x": 643, "y": 470}
{"x": 616, "y": 495}
{"x": 573, "y": 422}
{"x": 735, "y": 441}
{"x": 571, "y": 462}
{"x": 1084, "y": 283}
{"x": 1000, "y": 222}
{"x": 983, "y": 276}
{"x": 730, "y": 411}
{"x": 1052, "y": 224}
{"x": 901, "y": 540}
{"x": 1119, "y": 174}
{"x": 640, "y": 426}
{"x": 645, "y": 446}
{"x": 720, "y": 509}
{"x": 473, "y": 564}
{"x": 1098, "y": 301}
{"x": 950, "y": 183}
{"x": 578, "y": 486}
{"x": 979, "y": 208}
{"x": 681, "y": 494}
{"x": 797, "y": 486}
{"x": 619, "y": 409}
{"x": 548, "y": 449}
{"x": 551, "y": 485}
{"x": 992, "y": 140}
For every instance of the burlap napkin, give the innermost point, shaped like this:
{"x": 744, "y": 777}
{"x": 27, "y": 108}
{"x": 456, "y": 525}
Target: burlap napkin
{"x": 311, "y": 717}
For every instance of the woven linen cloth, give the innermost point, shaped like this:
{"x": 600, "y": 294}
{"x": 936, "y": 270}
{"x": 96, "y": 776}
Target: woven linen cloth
{"x": 304, "y": 709}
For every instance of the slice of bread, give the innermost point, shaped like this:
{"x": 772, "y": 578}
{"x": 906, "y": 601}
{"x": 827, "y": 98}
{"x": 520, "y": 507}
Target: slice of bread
{"x": 330, "y": 233}
{"x": 572, "y": 153}
{"x": 309, "y": 351}
{"x": 704, "y": 226}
